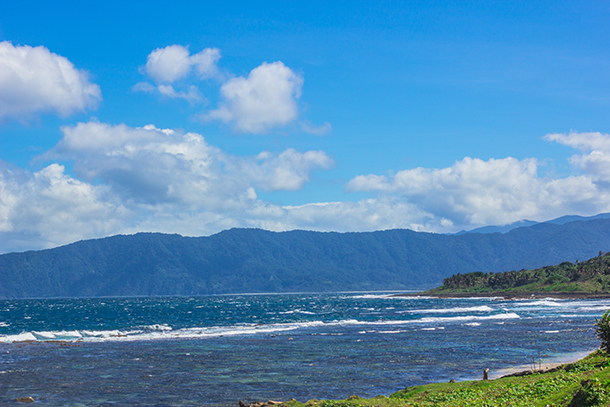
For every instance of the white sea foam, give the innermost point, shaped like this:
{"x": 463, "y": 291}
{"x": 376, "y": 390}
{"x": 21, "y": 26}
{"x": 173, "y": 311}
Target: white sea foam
{"x": 166, "y": 332}
{"x": 298, "y": 311}
{"x": 472, "y": 324}
{"x": 22, "y": 337}
{"x": 508, "y": 315}
{"x": 482, "y": 308}
{"x": 547, "y": 302}
{"x": 374, "y": 296}
{"x": 475, "y": 298}
{"x": 3, "y": 324}
{"x": 594, "y": 308}
{"x": 158, "y": 327}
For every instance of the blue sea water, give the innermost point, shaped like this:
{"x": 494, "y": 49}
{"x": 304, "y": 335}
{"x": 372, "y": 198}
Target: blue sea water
{"x": 217, "y": 350}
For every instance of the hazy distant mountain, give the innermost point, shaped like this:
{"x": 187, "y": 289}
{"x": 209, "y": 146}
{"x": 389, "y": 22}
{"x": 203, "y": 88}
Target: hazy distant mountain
{"x": 252, "y": 260}
{"x": 501, "y": 229}
{"x": 524, "y": 223}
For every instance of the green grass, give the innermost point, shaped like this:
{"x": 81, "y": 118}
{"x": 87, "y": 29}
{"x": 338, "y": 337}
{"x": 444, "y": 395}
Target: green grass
{"x": 580, "y": 384}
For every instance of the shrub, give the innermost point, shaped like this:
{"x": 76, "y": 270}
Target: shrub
{"x": 602, "y": 330}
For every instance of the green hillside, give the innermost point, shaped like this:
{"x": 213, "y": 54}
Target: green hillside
{"x": 253, "y": 260}
{"x": 587, "y": 277}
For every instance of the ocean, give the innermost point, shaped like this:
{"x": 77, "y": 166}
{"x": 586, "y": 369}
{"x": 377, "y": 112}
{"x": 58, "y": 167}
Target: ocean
{"x": 218, "y": 350}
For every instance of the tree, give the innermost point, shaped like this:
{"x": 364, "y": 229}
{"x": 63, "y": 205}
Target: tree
{"x": 602, "y": 330}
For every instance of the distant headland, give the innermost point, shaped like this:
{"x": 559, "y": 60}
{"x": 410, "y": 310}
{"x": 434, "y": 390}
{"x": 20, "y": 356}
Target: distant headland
{"x": 582, "y": 279}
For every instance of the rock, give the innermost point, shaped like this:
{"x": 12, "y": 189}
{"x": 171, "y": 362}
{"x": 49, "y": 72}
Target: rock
{"x": 269, "y": 403}
{"x": 451, "y": 381}
{"x": 486, "y": 374}
{"x": 25, "y": 399}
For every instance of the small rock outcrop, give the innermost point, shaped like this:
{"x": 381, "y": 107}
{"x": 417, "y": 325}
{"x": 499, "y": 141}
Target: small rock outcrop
{"x": 269, "y": 403}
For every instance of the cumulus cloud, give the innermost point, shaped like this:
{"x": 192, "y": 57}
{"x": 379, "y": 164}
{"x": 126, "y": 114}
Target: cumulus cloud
{"x": 174, "y": 62}
{"x": 287, "y": 171}
{"x": 152, "y": 165}
{"x": 48, "y": 208}
{"x": 132, "y": 179}
{"x": 34, "y": 80}
{"x": 595, "y": 157}
{"x": 267, "y": 98}
{"x": 263, "y": 101}
{"x": 474, "y": 192}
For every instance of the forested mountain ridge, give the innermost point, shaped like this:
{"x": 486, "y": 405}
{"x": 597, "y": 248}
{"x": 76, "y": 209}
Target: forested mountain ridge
{"x": 253, "y": 260}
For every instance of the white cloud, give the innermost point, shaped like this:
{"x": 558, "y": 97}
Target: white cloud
{"x": 582, "y": 141}
{"x": 34, "y": 80}
{"x": 595, "y": 160}
{"x": 192, "y": 95}
{"x": 144, "y": 87}
{"x": 134, "y": 179}
{"x": 174, "y": 62}
{"x": 474, "y": 192}
{"x": 267, "y": 98}
{"x": 148, "y": 179}
{"x": 317, "y": 130}
{"x": 287, "y": 171}
{"x": 152, "y": 165}
{"x": 205, "y": 61}
{"x": 48, "y": 208}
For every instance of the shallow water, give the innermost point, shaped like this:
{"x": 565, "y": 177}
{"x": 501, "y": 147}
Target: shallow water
{"x": 218, "y": 350}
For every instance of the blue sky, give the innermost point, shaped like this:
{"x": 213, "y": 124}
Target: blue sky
{"x": 194, "y": 117}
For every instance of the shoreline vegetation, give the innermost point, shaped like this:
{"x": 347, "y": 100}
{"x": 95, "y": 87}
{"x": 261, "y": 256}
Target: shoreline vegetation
{"x": 587, "y": 279}
{"x": 573, "y": 381}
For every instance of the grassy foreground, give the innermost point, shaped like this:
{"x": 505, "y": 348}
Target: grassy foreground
{"x": 583, "y": 383}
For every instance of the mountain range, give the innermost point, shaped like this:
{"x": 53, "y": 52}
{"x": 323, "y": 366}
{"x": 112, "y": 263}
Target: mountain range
{"x": 523, "y": 223}
{"x": 257, "y": 261}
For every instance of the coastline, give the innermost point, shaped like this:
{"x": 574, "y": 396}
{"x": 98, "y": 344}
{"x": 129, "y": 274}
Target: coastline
{"x": 510, "y": 296}
{"x": 517, "y": 372}
{"x": 544, "y": 366}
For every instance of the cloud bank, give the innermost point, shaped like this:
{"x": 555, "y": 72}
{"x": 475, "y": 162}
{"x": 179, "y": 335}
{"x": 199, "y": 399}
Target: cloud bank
{"x": 34, "y": 80}
{"x": 130, "y": 179}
